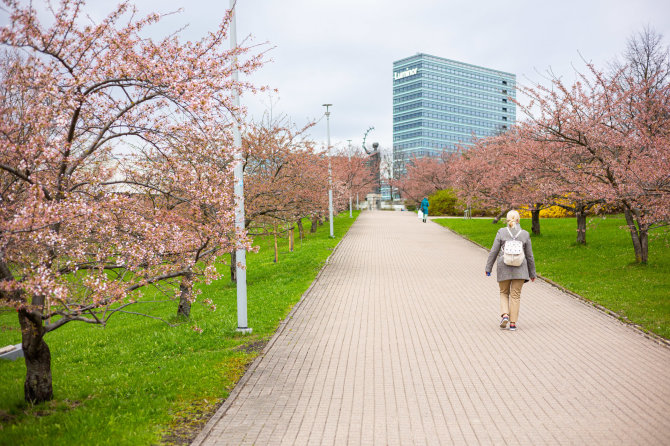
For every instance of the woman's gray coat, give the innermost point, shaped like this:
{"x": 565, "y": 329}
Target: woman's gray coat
{"x": 524, "y": 271}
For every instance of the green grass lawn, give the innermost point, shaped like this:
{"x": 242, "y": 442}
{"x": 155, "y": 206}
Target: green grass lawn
{"x": 140, "y": 381}
{"x": 603, "y": 271}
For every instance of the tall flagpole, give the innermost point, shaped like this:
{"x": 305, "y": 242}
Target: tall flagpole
{"x": 240, "y": 253}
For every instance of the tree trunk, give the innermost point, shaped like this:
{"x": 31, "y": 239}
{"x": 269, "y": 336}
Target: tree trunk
{"x": 185, "y": 288}
{"x": 315, "y": 222}
{"x": 290, "y": 239}
{"x": 644, "y": 242}
{"x": 639, "y": 236}
{"x": 581, "y": 224}
{"x": 301, "y": 230}
{"x": 233, "y": 266}
{"x": 276, "y": 248}
{"x": 535, "y": 219}
{"x": 38, "y": 386}
{"x": 499, "y": 216}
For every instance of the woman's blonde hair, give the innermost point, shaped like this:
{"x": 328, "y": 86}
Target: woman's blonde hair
{"x": 513, "y": 218}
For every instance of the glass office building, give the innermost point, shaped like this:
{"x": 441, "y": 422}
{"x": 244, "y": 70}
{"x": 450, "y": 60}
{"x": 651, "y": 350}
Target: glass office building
{"x": 440, "y": 103}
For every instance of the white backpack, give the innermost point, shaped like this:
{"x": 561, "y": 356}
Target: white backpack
{"x": 513, "y": 250}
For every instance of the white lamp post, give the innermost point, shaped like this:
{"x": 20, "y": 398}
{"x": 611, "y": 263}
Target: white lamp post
{"x": 350, "y": 198}
{"x": 330, "y": 173}
{"x": 240, "y": 253}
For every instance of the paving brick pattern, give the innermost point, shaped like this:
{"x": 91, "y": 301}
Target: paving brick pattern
{"x": 398, "y": 343}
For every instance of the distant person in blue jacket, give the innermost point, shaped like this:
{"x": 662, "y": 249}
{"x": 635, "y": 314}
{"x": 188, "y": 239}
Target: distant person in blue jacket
{"x": 424, "y": 208}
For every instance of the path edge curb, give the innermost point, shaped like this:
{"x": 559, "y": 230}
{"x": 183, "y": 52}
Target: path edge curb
{"x": 623, "y": 319}
{"x": 221, "y": 411}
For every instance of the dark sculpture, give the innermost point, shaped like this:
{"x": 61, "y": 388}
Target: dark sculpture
{"x": 374, "y": 162}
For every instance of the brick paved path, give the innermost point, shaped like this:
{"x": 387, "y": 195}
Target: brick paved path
{"x": 398, "y": 342}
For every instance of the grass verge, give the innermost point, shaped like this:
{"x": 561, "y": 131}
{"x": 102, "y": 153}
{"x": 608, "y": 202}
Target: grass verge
{"x": 139, "y": 381}
{"x": 603, "y": 271}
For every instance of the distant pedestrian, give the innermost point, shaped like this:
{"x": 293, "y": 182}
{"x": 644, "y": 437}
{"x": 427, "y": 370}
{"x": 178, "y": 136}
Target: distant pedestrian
{"x": 424, "y": 208}
{"x": 511, "y": 278}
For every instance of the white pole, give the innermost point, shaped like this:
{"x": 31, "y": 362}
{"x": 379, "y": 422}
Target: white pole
{"x": 330, "y": 174}
{"x": 240, "y": 253}
{"x": 350, "y": 198}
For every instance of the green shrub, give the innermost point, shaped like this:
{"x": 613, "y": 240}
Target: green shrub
{"x": 445, "y": 202}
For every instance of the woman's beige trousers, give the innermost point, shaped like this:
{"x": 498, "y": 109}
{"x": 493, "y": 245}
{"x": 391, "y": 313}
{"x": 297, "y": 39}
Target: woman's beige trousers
{"x": 510, "y": 298}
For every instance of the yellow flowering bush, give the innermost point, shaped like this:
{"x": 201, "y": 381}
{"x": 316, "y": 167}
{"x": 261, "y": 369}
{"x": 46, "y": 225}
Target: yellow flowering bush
{"x": 550, "y": 212}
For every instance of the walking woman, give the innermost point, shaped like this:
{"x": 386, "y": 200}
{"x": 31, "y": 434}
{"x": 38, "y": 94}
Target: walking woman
{"x": 424, "y": 208}
{"x": 510, "y": 277}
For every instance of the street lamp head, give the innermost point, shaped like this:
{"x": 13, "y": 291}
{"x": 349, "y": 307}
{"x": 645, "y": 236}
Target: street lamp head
{"x": 327, "y": 111}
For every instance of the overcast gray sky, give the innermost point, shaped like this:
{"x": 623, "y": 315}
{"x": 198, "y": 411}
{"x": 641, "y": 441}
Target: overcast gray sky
{"x": 342, "y": 51}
